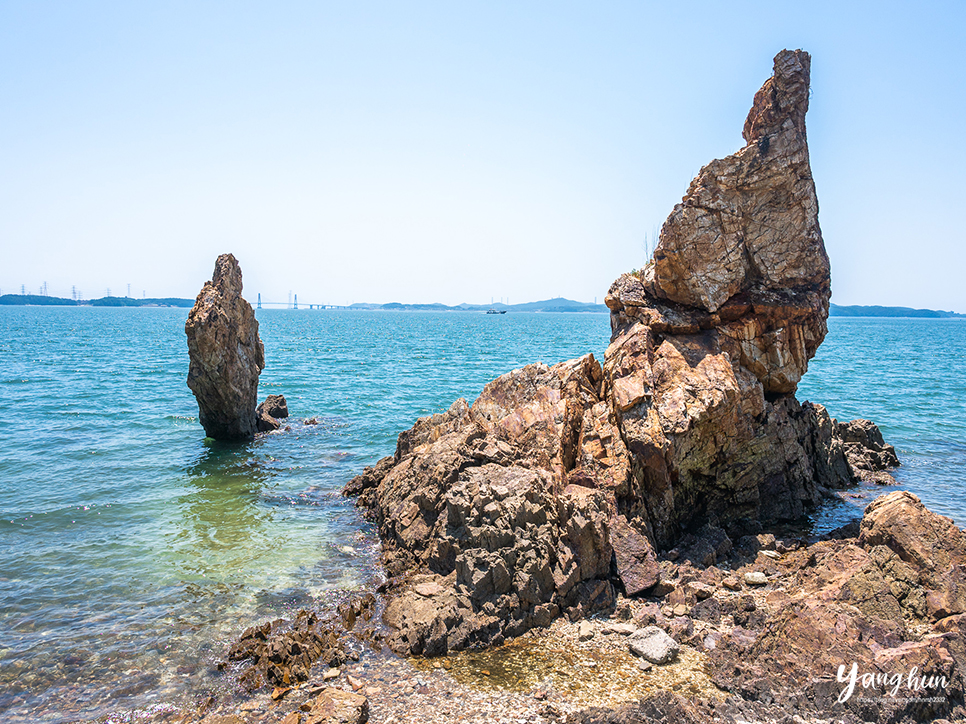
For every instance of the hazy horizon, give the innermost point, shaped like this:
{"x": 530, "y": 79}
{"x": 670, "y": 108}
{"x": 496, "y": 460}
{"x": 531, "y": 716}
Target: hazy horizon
{"x": 381, "y": 152}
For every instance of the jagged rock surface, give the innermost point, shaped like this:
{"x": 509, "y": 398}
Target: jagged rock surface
{"x": 510, "y": 511}
{"x": 890, "y": 602}
{"x": 269, "y": 412}
{"x": 226, "y": 355}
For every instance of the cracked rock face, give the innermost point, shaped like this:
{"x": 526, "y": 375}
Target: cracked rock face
{"x": 743, "y": 251}
{"x": 558, "y": 485}
{"x": 226, "y": 355}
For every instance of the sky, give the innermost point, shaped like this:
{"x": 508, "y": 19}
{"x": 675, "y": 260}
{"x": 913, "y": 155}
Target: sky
{"x": 456, "y": 151}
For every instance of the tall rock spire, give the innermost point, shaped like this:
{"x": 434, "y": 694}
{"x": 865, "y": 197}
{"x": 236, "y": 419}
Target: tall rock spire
{"x": 226, "y": 355}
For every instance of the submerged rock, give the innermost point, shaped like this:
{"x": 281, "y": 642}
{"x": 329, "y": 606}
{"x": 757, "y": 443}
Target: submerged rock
{"x": 516, "y": 507}
{"x": 226, "y": 355}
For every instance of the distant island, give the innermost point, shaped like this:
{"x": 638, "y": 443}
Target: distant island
{"x": 557, "y": 304}
{"x": 45, "y": 301}
{"x": 876, "y": 311}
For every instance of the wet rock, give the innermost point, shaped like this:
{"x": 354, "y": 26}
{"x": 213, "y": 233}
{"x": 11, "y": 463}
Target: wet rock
{"x": 226, "y": 355}
{"x": 281, "y": 653}
{"x": 868, "y": 454}
{"x": 275, "y": 406}
{"x": 653, "y": 644}
{"x": 265, "y": 422}
{"x": 269, "y": 412}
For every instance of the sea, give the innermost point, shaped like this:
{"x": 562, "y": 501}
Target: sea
{"x": 134, "y": 550}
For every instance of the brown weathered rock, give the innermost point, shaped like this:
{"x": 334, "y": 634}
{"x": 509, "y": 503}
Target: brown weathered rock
{"x": 868, "y": 454}
{"x": 226, "y": 355}
{"x": 888, "y": 602}
{"x": 274, "y": 405}
{"x": 501, "y": 515}
{"x": 281, "y": 654}
{"x": 334, "y": 706}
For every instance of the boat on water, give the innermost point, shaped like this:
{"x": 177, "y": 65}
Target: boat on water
{"x": 496, "y": 311}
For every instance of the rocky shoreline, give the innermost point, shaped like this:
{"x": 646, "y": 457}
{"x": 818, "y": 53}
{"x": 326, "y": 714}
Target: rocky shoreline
{"x": 760, "y": 636}
{"x": 595, "y": 541}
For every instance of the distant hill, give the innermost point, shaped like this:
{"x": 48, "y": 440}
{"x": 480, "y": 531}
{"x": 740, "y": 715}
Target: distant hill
{"x": 876, "y": 311}
{"x": 559, "y": 304}
{"x": 37, "y": 300}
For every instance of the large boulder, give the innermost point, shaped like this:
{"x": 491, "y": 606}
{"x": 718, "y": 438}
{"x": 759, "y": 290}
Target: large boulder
{"x": 226, "y": 355}
{"x": 558, "y": 485}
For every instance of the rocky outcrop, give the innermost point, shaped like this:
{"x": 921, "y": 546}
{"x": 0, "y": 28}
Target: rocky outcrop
{"x": 226, "y": 355}
{"x": 868, "y": 454}
{"x": 282, "y": 653}
{"x": 555, "y": 489}
{"x": 890, "y": 603}
{"x": 274, "y": 405}
{"x": 269, "y": 412}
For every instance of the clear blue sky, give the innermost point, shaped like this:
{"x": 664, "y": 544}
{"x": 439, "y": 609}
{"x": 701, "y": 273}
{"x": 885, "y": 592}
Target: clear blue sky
{"x": 456, "y": 151}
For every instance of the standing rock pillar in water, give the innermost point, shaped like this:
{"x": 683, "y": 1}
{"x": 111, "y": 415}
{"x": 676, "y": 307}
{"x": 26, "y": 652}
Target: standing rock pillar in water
{"x": 226, "y": 355}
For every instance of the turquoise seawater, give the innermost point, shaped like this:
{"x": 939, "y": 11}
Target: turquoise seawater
{"x": 134, "y": 549}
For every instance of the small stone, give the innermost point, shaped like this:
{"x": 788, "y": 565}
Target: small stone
{"x": 585, "y": 632}
{"x": 680, "y": 610}
{"x": 331, "y": 674}
{"x": 645, "y": 665}
{"x": 621, "y": 629}
{"x": 653, "y": 644}
{"x": 731, "y": 583}
{"x": 355, "y": 683}
{"x": 701, "y": 590}
{"x": 293, "y": 717}
{"x": 774, "y": 555}
{"x": 279, "y": 691}
{"x": 756, "y": 578}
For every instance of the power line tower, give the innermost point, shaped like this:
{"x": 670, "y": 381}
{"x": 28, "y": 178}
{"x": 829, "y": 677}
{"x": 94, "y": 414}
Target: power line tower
{"x": 259, "y": 300}
{"x": 129, "y": 289}
{"x": 108, "y": 291}
{"x": 23, "y": 290}
{"x": 73, "y": 293}
{"x": 296, "y": 301}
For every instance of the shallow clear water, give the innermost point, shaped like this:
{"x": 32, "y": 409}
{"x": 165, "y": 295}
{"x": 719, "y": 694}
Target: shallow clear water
{"x": 133, "y": 548}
